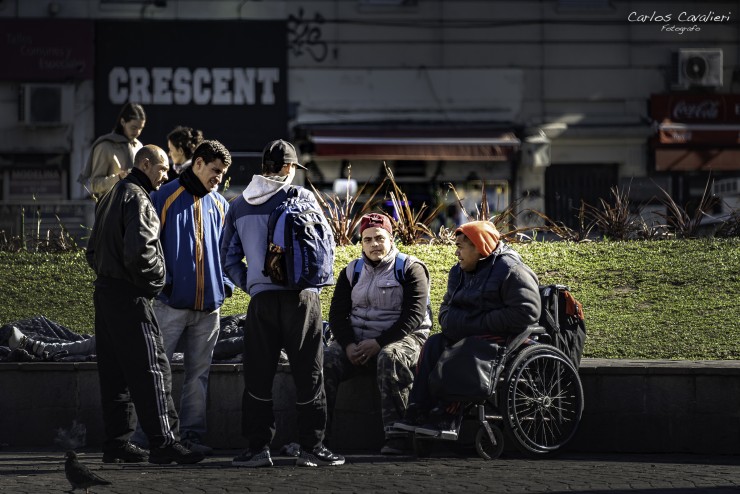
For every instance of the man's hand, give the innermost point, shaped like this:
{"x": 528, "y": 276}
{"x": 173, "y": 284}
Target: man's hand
{"x": 362, "y": 352}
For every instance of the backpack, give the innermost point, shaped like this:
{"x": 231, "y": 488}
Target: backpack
{"x": 304, "y": 256}
{"x": 399, "y": 271}
{"x": 562, "y": 317}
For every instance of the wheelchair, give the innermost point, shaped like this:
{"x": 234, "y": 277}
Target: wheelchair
{"x": 536, "y": 404}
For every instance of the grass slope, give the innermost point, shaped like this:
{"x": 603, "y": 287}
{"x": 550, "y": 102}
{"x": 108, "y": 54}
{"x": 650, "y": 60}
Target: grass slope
{"x": 648, "y": 300}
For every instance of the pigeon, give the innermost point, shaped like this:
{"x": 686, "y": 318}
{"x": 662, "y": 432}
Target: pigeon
{"x": 79, "y": 476}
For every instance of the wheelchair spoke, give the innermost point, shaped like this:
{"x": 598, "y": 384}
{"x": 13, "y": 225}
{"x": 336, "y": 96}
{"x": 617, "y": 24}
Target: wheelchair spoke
{"x": 544, "y": 401}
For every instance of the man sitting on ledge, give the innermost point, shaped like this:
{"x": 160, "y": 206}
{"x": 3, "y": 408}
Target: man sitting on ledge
{"x": 379, "y": 319}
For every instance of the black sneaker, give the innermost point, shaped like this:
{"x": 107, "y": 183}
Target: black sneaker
{"x": 253, "y": 460}
{"x": 193, "y": 442}
{"x": 412, "y": 419}
{"x": 128, "y": 453}
{"x": 177, "y": 453}
{"x": 319, "y": 456}
{"x": 395, "y": 446}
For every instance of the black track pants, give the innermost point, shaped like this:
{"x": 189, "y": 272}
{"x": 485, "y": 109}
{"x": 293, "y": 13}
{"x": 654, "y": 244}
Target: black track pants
{"x": 133, "y": 369}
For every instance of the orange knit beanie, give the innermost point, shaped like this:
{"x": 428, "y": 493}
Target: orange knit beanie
{"x": 483, "y": 234}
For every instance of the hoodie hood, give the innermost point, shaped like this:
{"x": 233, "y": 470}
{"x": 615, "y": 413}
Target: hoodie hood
{"x": 262, "y": 188}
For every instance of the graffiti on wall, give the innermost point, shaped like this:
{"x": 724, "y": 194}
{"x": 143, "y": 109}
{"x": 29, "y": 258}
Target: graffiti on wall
{"x": 304, "y": 36}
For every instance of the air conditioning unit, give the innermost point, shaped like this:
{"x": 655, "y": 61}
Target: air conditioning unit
{"x": 699, "y": 67}
{"x": 43, "y": 104}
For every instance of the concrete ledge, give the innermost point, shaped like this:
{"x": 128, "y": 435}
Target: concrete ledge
{"x": 640, "y": 406}
{"x": 654, "y": 406}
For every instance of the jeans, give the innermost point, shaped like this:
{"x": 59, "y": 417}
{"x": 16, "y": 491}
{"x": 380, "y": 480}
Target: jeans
{"x": 196, "y": 333}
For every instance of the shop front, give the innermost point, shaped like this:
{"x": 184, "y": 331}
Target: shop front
{"x": 425, "y": 159}
{"x": 697, "y": 139}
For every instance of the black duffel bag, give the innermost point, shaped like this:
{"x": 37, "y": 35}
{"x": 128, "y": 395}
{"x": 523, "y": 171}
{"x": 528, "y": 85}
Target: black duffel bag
{"x": 466, "y": 370}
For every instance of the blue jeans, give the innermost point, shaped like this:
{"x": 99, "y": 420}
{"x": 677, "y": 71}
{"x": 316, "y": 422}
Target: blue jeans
{"x": 196, "y": 333}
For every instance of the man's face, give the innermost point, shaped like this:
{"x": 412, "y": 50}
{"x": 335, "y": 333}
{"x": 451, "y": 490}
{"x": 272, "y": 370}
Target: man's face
{"x": 132, "y": 129}
{"x": 157, "y": 171}
{"x": 210, "y": 174}
{"x": 466, "y": 253}
{"x": 376, "y": 243}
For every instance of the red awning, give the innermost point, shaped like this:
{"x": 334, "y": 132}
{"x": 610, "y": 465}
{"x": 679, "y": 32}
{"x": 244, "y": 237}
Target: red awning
{"x": 689, "y": 159}
{"x": 414, "y": 144}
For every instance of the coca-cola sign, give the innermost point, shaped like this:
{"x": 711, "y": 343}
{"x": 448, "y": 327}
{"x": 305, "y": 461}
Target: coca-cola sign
{"x": 695, "y": 108}
{"x": 700, "y": 110}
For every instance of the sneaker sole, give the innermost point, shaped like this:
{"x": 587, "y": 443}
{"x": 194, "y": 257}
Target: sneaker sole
{"x": 305, "y": 462}
{"x": 427, "y": 431}
{"x": 405, "y": 427}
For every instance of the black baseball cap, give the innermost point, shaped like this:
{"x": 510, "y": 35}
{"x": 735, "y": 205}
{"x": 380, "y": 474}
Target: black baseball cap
{"x": 278, "y": 153}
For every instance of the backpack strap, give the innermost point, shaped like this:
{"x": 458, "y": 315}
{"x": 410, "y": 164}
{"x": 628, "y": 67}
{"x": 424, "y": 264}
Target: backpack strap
{"x": 398, "y": 269}
{"x": 400, "y": 266}
{"x": 275, "y": 214}
{"x": 553, "y": 292}
{"x": 359, "y": 263}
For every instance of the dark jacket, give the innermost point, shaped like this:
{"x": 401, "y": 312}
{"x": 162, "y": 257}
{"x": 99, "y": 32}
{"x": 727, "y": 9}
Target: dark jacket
{"x": 500, "y": 298}
{"x": 124, "y": 247}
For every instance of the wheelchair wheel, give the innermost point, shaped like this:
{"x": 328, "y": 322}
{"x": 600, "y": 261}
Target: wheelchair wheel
{"x": 543, "y": 400}
{"x": 483, "y": 445}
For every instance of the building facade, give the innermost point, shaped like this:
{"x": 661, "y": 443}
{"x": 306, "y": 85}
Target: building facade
{"x": 546, "y": 103}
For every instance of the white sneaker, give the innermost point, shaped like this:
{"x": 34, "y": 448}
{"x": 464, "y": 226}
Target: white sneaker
{"x": 319, "y": 456}
{"x": 16, "y": 339}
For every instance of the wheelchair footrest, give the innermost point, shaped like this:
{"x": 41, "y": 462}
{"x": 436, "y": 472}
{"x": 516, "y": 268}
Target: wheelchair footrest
{"x": 423, "y": 433}
{"x": 390, "y": 433}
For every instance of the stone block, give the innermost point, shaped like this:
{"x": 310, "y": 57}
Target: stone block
{"x": 670, "y": 394}
{"x": 718, "y": 394}
{"x": 358, "y": 424}
{"x": 620, "y": 394}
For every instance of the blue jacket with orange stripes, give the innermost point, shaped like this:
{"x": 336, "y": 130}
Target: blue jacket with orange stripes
{"x": 191, "y": 229}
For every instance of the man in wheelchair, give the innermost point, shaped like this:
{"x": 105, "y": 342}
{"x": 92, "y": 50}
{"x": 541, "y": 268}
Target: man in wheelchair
{"x": 491, "y": 294}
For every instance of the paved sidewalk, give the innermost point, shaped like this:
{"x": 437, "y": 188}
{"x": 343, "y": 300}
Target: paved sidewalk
{"x": 39, "y": 471}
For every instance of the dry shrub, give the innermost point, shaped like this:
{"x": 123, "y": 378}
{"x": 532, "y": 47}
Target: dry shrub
{"x": 411, "y": 227}
{"x": 677, "y": 218}
{"x": 342, "y": 213}
{"x": 614, "y": 220}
